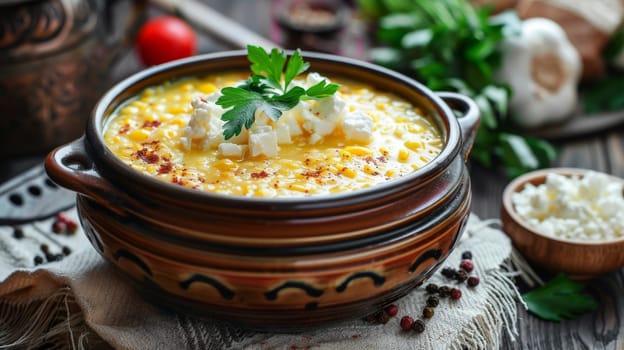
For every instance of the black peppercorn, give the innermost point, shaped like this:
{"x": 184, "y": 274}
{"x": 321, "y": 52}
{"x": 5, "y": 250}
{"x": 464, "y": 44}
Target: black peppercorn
{"x": 461, "y": 276}
{"x": 467, "y": 255}
{"x": 428, "y": 312}
{"x": 473, "y": 281}
{"x": 431, "y": 288}
{"x": 418, "y": 326}
{"x": 379, "y": 317}
{"x": 444, "y": 291}
{"x": 448, "y": 272}
{"x": 66, "y": 250}
{"x": 18, "y": 233}
{"x": 38, "y": 260}
{"x": 44, "y": 248}
{"x": 433, "y": 301}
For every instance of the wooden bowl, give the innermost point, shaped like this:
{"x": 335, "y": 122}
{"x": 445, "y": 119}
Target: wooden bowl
{"x": 273, "y": 263}
{"x": 580, "y": 259}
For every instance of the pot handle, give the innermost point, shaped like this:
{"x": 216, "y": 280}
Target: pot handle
{"x": 469, "y": 119}
{"x": 71, "y": 167}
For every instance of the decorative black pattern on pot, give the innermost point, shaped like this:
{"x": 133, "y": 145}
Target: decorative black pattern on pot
{"x": 429, "y": 254}
{"x": 310, "y": 290}
{"x": 123, "y": 253}
{"x": 378, "y": 280}
{"x": 225, "y": 292}
{"x": 311, "y": 306}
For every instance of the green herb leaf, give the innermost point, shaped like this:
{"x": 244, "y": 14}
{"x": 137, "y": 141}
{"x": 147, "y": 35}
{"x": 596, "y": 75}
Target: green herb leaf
{"x": 296, "y": 66}
{"x": 451, "y": 45}
{"x": 321, "y": 90}
{"x": 559, "y": 298}
{"x": 267, "y": 89}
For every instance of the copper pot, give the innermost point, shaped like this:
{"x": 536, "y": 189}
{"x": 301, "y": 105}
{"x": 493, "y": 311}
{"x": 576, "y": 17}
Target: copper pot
{"x": 277, "y": 263}
{"x": 55, "y": 58}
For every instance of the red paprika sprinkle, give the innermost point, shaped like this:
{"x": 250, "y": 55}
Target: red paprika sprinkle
{"x": 151, "y": 124}
{"x": 165, "y": 168}
{"x": 148, "y": 156}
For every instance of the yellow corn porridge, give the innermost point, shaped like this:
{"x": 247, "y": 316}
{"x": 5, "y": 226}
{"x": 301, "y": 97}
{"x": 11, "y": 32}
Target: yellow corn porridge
{"x": 357, "y": 138}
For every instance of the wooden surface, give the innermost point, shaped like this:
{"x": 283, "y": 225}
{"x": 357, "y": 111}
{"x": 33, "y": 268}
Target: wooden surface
{"x": 603, "y": 329}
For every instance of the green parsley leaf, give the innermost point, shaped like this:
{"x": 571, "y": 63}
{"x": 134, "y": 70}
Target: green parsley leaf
{"x": 559, "y": 298}
{"x": 296, "y": 66}
{"x": 267, "y": 89}
{"x": 451, "y": 45}
{"x": 321, "y": 90}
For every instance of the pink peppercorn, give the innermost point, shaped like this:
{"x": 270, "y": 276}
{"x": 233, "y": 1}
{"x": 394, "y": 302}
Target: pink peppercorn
{"x": 466, "y": 265}
{"x": 456, "y": 294}
{"x": 59, "y": 227}
{"x": 72, "y": 226}
{"x": 406, "y": 323}
{"x": 391, "y": 310}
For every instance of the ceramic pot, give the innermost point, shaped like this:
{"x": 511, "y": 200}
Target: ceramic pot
{"x": 55, "y": 60}
{"x": 278, "y": 263}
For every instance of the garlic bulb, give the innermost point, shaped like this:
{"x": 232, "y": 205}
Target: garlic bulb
{"x": 543, "y": 69}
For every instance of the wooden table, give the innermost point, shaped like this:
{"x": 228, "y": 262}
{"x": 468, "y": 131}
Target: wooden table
{"x": 603, "y": 329}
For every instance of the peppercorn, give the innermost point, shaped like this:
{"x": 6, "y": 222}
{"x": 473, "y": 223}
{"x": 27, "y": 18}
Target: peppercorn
{"x": 428, "y": 312}
{"x": 391, "y": 310}
{"x": 72, "y": 227}
{"x": 59, "y": 227}
{"x": 44, "y": 248}
{"x": 461, "y": 276}
{"x": 431, "y": 288}
{"x": 418, "y": 326}
{"x": 448, "y": 272}
{"x": 473, "y": 281}
{"x": 467, "y": 255}
{"x": 62, "y": 217}
{"x": 466, "y": 265}
{"x": 433, "y": 301}
{"x": 379, "y": 317}
{"x": 18, "y": 233}
{"x": 66, "y": 250}
{"x": 50, "y": 257}
{"x": 444, "y": 291}
{"x": 406, "y": 323}
{"x": 456, "y": 294}
{"x": 38, "y": 260}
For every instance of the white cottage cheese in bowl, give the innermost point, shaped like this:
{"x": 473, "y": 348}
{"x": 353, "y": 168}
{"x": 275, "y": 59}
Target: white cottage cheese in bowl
{"x": 585, "y": 208}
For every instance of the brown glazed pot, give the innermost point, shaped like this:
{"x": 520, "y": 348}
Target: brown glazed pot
{"x": 55, "y": 62}
{"x": 273, "y": 263}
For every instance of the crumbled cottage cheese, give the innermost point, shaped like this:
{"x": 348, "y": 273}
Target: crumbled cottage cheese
{"x": 318, "y": 117}
{"x": 587, "y": 208}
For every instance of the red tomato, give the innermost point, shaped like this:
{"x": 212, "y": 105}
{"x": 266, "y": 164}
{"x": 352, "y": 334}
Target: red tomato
{"x": 163, "y": 39}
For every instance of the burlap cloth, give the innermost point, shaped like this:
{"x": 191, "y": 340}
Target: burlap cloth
{"x": 81, "y": 303}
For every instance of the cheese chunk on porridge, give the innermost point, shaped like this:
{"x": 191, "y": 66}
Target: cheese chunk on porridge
{"x": 354, "y": 139}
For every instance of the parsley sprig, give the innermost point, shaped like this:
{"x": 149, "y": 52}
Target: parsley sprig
{"x": 559, "y": 298}
{"x": 268, "y": 89}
